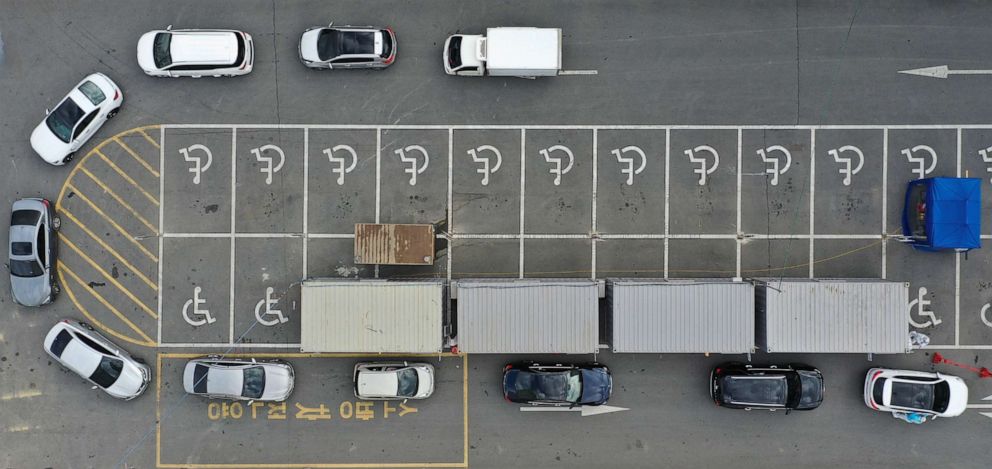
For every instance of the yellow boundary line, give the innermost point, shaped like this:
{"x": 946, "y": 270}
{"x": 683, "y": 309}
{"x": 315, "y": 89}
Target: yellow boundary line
{"x": 134, "y": 155}
{"x": 127, "y": 177}
{"x": 102, "y": 300}
{"x": 148, "y": 137}
{"x": 99, "y": 241}
{"x": 119, "y": 200}
{"x": 117, "y": 227}
{"x": 158, "y": 416}
{"x": 95, "y": 321}
{"x": 108, "y": 277}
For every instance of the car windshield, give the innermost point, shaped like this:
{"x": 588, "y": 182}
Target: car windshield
{"x": 19, "y": 268}
{"x": 24, "y": 217}
{"x": 407, "y": 382}
{"x": 161, "y": 51}
{"x": 941, "y": 396}
{"x": 387, "y": 44}
{"x": 332, "y": 43}
{"x": 107, "y": 372}
{"x": 254, "y": 382}
{"x": 455, "y": 52}
{"x": 92, "y": 92}
{"x": 806, "y": 390}
{"x": 765, "y": 390}
{"x": 912, "y": 395}
{"x": 62, "y": 120}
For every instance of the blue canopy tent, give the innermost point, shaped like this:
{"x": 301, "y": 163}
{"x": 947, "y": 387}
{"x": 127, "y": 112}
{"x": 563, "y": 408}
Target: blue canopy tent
{"x": 943, "y": 213}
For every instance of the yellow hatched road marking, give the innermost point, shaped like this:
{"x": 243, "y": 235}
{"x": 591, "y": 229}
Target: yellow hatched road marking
{"x": 106, "y": 303}
{"x": 127, "y": 264}
{"x": 137, "y": 158}
{"x": 149, "y": 138}
{"x": 126, "y": 177}
{"x": 120, "y": 200}
{"x": 109, "y": 277}
{"x": 123, "y": 232}
{"x": 94, "y": 320}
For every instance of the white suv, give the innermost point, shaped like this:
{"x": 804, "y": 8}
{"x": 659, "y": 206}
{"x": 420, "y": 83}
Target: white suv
{"x": 196, "y": 53}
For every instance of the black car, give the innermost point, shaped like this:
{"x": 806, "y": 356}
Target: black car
{"x": 559, "y": 385}
{"x": 789, "y": 387}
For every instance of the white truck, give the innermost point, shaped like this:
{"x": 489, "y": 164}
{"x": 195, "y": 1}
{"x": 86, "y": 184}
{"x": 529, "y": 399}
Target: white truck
{"x": 505, "y": 52}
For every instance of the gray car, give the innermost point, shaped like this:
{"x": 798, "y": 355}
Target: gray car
{"x": 32, "y": 252}
{"x": 348, "y": 47}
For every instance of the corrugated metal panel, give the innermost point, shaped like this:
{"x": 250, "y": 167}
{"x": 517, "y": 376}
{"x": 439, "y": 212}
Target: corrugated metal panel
{"x": 394, "y": 244}
{"x": 682, "y": 316}
{"x": 372, "y": 316}
{"x": 527, "y": 316}
{"x": 836, "y": 316}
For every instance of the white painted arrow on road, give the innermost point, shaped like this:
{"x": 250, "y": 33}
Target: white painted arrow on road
{"x": 942, "y": 71}
{"x": 586, "y": 410}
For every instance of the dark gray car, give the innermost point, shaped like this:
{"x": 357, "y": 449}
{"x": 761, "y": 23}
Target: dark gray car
{"x": 32, "y": 252}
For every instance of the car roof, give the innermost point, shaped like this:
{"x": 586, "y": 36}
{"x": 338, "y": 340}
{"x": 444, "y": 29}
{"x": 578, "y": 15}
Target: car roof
{"x": 224, "y": 380}
{"x": 204, "y": 47}
{"x": 378, "y": 383}
{"x": 80, "y": 357}
{"x": 769, "y": 390}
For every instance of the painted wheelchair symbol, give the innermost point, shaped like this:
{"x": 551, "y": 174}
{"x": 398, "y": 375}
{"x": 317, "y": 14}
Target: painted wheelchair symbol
{"x": 921, "y": 305}
{"x": 195, "y": 302}
{"x": 268, "y": 303}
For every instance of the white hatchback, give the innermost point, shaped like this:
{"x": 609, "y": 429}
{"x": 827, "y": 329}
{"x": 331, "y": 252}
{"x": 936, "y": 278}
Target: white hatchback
{"x": 76, "y": 118}
{"x": 196, "y": 53}
{"x": 908, "y": 391}
{"x": 80, "y": 348}
{"x": 394, "y": 381}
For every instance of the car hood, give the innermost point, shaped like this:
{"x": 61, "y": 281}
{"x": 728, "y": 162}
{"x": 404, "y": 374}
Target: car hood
{"x": 129, "y": 384}
{"x": 959, "y": 397}
{"x": 47, "y": 145}
{"x": 146, "y": 58}
{"x": 278, "y": 383}
{"x": 308, "y": 45}
{"x": 596, "y": 386}
{"x": 425, "y": 379}
{"x": 30, "y": 291}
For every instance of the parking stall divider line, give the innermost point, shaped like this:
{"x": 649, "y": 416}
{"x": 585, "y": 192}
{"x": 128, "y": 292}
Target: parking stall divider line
{"x": 595, "y": 177}
{"x": 64, "y": 239}
{"x": 740, "y": 170}
{"x": 306, "y": 195}
{"x": 161, "y": 216}
{"x": 465, "y": 408}
{"x": 885, "y": 198}
{"x": 331, "y": 235}
{"x": 450, "y": 227}
{"x": 225, "y": 344}
{"x": 668, "y": 151}
{"x": 105, "y": 303}
{"x": 119, "y": 200}
{"x": 126, "y": 177}
{"x": 234, "y": 195}
{"x": 150, "y": 139}
{"x": 134, "y": 154}
{"x": 585, "y": 127}
{"x": 812, "y": 197}
{"x": 92, "y": 319}
{"x": 108, "y": 219}
{"x": 378, "y": 184}
{"x": 523, "y": 184}
{"x": 158, "y": 406}
{"x": 957, "y": 265}
{"x": 107, "y": 248}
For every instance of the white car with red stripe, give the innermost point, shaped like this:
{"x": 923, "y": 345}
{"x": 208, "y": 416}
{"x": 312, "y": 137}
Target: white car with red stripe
{"x": 906, "y": 391}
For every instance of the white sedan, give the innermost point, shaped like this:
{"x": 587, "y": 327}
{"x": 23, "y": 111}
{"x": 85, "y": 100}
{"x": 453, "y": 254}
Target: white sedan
{"x": 239, "y": 379}
{"x": 80, "y": 348}
{"x": 907, "y": 391}
{"x": 394, "y": 381}
{"x": 76, "y": 118}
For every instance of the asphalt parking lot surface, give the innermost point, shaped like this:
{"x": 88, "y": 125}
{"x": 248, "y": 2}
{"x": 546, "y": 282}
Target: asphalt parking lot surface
{"x": 717, "y": 140}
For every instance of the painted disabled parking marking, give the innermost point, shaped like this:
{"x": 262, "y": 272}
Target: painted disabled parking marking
{"x": 775, "y": 167}
{"x": 847, "y": 166}
{"x": 987, "y": 158}
{"x": 918, "y": 155}
{"x": 199, "y": 166}
{"x": 339, "y": 165}
{"x": 704, "y": 169}
{"x": 488, "y": 166}
{"x": 408, "y": 155}
{"x": 556, "y": 162}
{"x": 983, "y": 314}
{"x": 628, "y": 162}
{"x": 268, "y": 303}
{"x": 196, "y": 302}
{"x": 920, "y": 306}
{"x": 269, "y": 168}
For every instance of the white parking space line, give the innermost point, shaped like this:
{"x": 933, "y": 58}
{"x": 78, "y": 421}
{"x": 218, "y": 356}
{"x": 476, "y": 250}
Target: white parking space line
{"x": 161, "y": 217}
{"x": 523, "y": 184}
{"x": 740, "y": 160}
{"x": 451, "y": 208}
{"x": 812, "y": 196}
{"x": 957, "y": 266}
{"x": 378, "y": 184}
{"x": 885, "y": 198}
{"x": 306, "y": 194}
{"x": 668, "y": 159}
{"x": 583, "y": 127}
{"x": 595, "y": 176}
{"x": 224, "y": 344}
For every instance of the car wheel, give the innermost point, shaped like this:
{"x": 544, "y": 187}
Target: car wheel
{"x": 56, "y": 223}
{"x": 56, "y": 289}
{"x": 68, "y": 158}
{"x": 113, "y": 112}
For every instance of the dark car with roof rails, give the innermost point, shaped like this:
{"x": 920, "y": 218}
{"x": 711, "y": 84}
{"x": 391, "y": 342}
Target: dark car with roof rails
{"x": 557, "y": 385}
{"x": 773, "y": 387}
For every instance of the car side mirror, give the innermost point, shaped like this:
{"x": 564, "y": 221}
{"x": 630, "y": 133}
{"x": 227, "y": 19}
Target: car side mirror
{"x": 94, "y": 387}
{"x": 788, "y": 411}
{"x": 253, "y": 360}
{"x": 404, "y": 400}
{"x": 250, "y": 402}
{"x": 7, "y": 266}
{"x": 47, "y": 111}
{"x": 406, "y": 363}
{"x": 330, "y": 24}
{"x": 168, "y": 28}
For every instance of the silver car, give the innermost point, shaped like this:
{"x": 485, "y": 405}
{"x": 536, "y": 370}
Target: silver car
{"x": 394, "y": 381}
{"x": 32, "y": 252}
{"x": 348, "y": 47}
{"x": 80, "y": 348}
{"x": 239, "y": 379}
